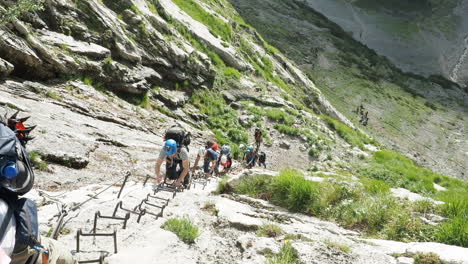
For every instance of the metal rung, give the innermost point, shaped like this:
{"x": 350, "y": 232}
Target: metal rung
{"x": 158, "y": 198}
{"x": 166, "y": 188}
{"x": 145, "y": 201}
{"x": 98, "y": 215}
{"x": 100, "y": 260}
{"x": 119, "y": 205}
{"x": 80, "y": 233}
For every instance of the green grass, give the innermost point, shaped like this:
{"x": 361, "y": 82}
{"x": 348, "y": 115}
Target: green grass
{"x": 221, "y": 119}
{"x": 37, "y": 161}
{"x": 269, "y": 230}
{"x": 353, "y": 137}
{"x": 287, "y": 255}
{"x": 216, "y": 26}
{"x": 367, "y": 207}
{"x": 337, "y": 245}
{"x": 183, "y": 228}
{"x": 427, "y": 258}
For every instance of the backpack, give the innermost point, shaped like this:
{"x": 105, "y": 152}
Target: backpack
{"x": 177, "y": 133}
{"x": 262, "y": 157}
{"x": 225, "y": 150}
{"x": 13, "y": 156}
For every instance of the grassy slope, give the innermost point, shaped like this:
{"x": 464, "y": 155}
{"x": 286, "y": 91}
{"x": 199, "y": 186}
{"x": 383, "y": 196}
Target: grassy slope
{"x": 349, "y": 74}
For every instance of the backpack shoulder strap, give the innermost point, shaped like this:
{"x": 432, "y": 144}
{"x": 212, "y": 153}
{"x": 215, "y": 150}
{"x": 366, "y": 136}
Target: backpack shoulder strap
{"x": 5, "y": 222}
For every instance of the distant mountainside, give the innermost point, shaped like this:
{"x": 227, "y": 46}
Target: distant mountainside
{"x": 423, "y": 117}
{"x": 425, "y": 37}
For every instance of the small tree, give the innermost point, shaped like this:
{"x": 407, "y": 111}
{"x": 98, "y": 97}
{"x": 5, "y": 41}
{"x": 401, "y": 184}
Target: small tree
{"x": 19, "y": 8}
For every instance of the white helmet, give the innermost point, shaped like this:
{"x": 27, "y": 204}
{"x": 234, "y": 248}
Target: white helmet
{"x": 201, "y": 152}
{"x": 241, "y": 146}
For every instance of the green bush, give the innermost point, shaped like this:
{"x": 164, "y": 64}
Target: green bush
{"x": 427, "y": 258}
{"x": 183, "y": 228}
{"x": 269, "y": 230}
{"x": 287, "y": 255}
{"x": 256, "y": 186}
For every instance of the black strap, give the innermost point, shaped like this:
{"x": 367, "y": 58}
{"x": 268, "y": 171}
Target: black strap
{"x": 5, "y": 223}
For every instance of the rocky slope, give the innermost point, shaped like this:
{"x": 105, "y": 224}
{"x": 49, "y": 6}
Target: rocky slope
{"x": 421, "y": 117}
{"x": 103, "y": 80}
{"x": 227, "y": 225}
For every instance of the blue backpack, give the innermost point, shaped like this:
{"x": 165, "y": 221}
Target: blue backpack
{"x": 17, "y": 178}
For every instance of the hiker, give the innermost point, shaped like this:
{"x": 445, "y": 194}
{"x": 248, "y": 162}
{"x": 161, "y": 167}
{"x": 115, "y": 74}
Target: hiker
{"x": 175, "y": 153}
{"x": 20, "y": 242}
{"x": 177, "y": 163}
{"x": 225, "y": 159}
{"x": 262, "y": 159}
{"x": 210, "y": 157}
{"x": 250, "y": 156}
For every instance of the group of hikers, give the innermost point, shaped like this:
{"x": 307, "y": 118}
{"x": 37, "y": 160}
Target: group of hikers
{"x": 20, "y": 242}
{"x": 216, "y": 160}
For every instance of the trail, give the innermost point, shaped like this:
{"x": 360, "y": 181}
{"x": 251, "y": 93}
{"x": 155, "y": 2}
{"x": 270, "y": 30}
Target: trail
{"x": 456, "y": 69}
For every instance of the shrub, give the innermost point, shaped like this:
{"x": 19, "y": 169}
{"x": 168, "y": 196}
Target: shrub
{"x": 374, "y": 186}
{"x": 287, "y": 255}
{"x": 183, "y": 228}
{"x": 256, "y": 186}
{"x": 269, "y": 230}
{"x": 427, "y": 258}
{"x": 223, "y": 187}
{"x": 314, "y": 153}
{"x": 454, "y": 231}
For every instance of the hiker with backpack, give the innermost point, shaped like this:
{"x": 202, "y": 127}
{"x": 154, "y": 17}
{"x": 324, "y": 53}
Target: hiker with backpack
{"x": 225, "y": 159}
{"x": 20, "y": 242}
{"x": 176, "y": 155}
{"x": 210, "y": 157}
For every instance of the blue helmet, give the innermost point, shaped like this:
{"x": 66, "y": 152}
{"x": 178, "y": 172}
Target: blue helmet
{"x": 170, "y": 147}
{"x": 250, "y": 148}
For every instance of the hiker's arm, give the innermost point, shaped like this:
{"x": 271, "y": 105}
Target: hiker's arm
{"x": 156, "y": 170}
{"x": 196, "y": 163}
{"x": 186, "y": 166}
{"x": 213, "y": 166}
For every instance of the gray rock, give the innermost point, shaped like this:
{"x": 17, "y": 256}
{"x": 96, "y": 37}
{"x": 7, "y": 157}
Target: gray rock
{"x": 172, "y": 98}
{"x": 284, "y": 144}
{"x": 79, "y": 47}
{"x": 5, "y": 68}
